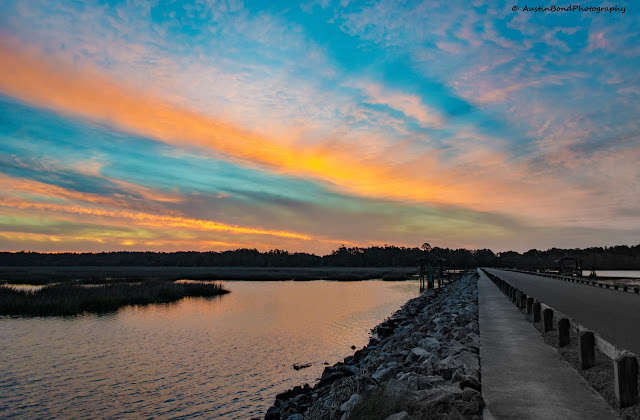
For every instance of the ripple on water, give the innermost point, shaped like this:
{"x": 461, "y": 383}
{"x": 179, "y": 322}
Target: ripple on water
{"x": 224, "y": 357}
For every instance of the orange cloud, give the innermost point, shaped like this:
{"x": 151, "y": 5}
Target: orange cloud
{"x": 44, "y": 241}
{"x": 20, "y": 186}
{"x": 149, "y": 219}
{"x": 38, "y": 79}
{"x": 43, "y": 237}
{"x": 431, "y": 177}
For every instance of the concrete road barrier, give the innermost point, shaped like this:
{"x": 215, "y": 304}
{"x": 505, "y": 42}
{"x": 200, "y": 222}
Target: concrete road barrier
{"x": 626, "y": 380}
{"x": 563, "y": 332}
{"x": 587, "y": 349}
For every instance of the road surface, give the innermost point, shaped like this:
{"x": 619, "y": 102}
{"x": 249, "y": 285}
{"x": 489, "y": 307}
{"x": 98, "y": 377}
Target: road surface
{"x": 522, "y": 377}
{"x": 614, "y": 315}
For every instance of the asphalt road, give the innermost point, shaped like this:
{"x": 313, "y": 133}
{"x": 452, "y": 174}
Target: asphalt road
{"x": 613, "y": 315}
{"x": 522, "y": 377}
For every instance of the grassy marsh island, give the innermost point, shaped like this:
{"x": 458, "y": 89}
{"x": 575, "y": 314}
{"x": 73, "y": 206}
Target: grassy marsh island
{"x": 61, "y": 291}
{"x": 75, "y": 298}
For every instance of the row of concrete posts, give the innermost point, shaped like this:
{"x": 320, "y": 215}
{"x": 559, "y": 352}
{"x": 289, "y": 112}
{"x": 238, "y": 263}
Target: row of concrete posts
{"x": 625, "y": 366}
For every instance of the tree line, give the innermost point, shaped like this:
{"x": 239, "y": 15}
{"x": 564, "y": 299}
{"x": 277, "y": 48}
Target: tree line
{"x": 616, "y": 257}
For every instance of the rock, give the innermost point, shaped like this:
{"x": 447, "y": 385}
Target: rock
{"x": 426, "y": 368}
{"x": 354, "y": 400}
{"x": 293, "y": 392}
{"x": 471, "y": 382}
{"x": 403, "y": 415}
{"x": 411, "y": 379}
{"x": 445, "y": 367}
{"x": 384, "y": 331}
{"x": 381, "y": 375}
{"x": 417, "y": 354}
{"x": 431, "y": 343}
{"x": 299, "y": 399}
{"x": 401, "y": 331}
{"x": 328, "y": 403}
{"x": 395, "y": 389}
{"x": 468, "y": 409}
{"x": 360, "y": 354}
{"x": 469, "y": 360}
{"x": 332, "y": 374}
{"x": 432, "y": 381}
{"x": 425, "y": 359}
{"x": 454, "y": 414}
{"x": 455, "y": 347}
{"x": 458, "y": 375}
{"x": 369, "y": 388}
{"x": 470, "y": 394}
{"x": 434, "y": 400}
{"x": 473, "y": 325}
{"x": 273, "y": 413}
{"x": 415, "y": 381}
{"x": 288, "y": 413}
{"x": 461, "y": 334}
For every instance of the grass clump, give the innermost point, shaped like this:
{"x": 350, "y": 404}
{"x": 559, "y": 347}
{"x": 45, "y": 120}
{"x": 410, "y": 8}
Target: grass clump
{"x": 73, "y": 298}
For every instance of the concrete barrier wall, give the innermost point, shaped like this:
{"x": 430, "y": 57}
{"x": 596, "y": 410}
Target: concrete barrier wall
{"x": 580, "y": 280}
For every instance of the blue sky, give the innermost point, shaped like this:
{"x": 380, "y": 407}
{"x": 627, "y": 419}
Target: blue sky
{"x": 214, "y": 125}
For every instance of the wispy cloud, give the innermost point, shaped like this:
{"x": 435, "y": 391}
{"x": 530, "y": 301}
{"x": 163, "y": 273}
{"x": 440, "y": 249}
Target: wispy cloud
{"x": 409, "y": 105}
{"x": 86, "y": 94}
{"x": 462, "y": 107}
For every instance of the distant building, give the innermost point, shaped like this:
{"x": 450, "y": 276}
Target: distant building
{"x": 570, "y": 266}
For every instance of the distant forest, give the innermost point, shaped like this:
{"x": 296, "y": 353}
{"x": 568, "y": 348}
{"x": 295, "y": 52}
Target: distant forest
{"x": 615, "y": 257}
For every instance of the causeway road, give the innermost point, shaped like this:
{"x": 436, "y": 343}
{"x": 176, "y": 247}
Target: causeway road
{"x": 522, "y": 377}
{"x": 614, "y": 315}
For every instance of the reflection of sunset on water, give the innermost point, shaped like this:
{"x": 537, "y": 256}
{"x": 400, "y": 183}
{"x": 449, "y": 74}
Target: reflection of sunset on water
{"x": 223, "y": 356}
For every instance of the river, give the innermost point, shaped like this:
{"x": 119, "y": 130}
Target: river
{"x": 222, "y": 357}
{"x": 614, "y": 273}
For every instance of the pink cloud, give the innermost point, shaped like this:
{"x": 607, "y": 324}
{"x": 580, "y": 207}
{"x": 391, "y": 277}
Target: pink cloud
{"x": 409, "y": 105}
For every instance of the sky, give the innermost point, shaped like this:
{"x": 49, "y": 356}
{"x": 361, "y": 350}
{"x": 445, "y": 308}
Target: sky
{"x": 212, "y": 125}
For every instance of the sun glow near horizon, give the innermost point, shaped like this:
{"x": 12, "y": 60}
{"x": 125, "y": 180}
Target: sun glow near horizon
{"x": 307, "y": 128}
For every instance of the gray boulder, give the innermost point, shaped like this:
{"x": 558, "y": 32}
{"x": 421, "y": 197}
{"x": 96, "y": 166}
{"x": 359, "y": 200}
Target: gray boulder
{"x": 350, "y": 404}
{"x": 417, "y": 354}
{"x": 403, "y": 415}
{"x": 395, "y": 389}
{"x": 383, "y": 374}
{"x": 430, "y": 343}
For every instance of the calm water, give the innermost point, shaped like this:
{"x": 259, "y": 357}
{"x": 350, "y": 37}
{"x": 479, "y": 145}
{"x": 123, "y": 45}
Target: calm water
{"x": 614, "y": 273}
{"x": 224, "y": 357}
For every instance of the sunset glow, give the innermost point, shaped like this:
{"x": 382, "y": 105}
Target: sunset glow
{"x": 212, "y": 125}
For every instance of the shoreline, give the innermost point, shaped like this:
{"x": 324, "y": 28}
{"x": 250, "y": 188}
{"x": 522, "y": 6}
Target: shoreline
{"x": 422, "y": 361}
{"x": 100, "y": 274}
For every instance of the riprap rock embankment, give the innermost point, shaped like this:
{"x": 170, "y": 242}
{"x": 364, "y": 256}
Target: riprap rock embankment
{"x": 422, "y": 363}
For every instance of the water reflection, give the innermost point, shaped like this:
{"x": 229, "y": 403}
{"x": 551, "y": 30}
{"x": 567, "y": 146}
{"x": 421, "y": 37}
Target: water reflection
{"x": 216, "y": 357}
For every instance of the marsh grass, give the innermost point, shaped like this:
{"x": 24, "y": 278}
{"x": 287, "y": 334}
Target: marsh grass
{"x": 73, "y": 298}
